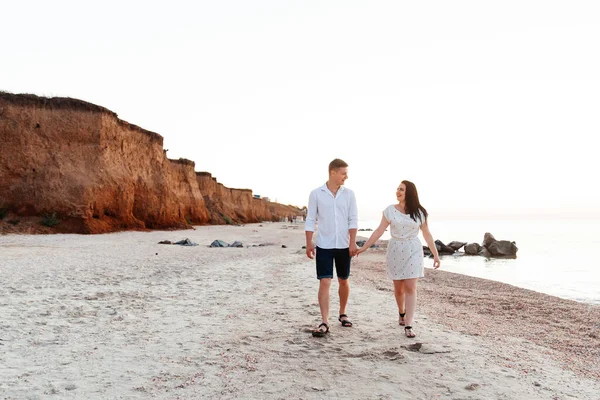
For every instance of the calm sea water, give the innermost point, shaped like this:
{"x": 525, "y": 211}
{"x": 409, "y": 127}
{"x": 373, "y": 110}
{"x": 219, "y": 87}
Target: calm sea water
{"x": 557, "y": 257}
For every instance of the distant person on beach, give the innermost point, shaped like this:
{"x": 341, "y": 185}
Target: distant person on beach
{"x": 333, "y": 208}
{"x": 404, "y": 253}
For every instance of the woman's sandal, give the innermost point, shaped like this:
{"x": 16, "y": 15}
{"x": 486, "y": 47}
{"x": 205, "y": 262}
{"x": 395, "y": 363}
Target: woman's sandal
{"x": 320, "y": 332}
{"x": 345, "y": 322}
{"x": 401, "y": 320}
{"x": 408, "y": 331}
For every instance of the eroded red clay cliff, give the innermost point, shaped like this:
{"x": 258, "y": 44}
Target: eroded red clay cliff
{"x": 238, "y": 205}
{"x": 99, "y": 174}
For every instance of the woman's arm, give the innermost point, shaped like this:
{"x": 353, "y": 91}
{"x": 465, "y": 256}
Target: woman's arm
{"x": 375, "y": 235}
{"x": 431, "y": 244}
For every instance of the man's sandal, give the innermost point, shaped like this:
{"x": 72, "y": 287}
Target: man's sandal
{"x": 320, "y": 332}
{"x": 408, "y": 331}
{"x": 345, "y": 322}
{"x": 401, "y": 319}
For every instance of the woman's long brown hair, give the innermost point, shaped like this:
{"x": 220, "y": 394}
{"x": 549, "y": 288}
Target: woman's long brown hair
{"x": 413, "y": 206}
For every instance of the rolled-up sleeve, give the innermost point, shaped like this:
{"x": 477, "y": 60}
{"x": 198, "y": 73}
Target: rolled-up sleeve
{"x": 311, "y": 214}
{"x": 352, "y": 212}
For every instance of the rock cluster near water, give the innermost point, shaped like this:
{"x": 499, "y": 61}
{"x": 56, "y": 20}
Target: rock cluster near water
{"x": 490, "y": 248}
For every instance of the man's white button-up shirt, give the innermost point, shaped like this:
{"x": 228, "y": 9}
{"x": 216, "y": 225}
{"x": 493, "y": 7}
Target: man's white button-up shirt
{"x": 333, "y": 216}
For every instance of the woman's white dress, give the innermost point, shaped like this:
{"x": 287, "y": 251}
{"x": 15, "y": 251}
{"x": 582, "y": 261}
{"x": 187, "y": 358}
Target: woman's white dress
{"x": 405, "y": 252}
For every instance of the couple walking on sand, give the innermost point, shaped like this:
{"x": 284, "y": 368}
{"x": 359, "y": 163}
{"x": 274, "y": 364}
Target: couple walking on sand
{"x": 333, "y": 208}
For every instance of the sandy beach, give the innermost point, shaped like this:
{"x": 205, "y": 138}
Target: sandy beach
{"x": 119, "y": 316}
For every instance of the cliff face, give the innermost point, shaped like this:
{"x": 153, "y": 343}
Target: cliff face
{"x": 98, "y": 173}
{"x": 238, "y": 205}
{"x": 185, "y": 189}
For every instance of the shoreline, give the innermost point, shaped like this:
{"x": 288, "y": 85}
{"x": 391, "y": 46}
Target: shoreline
{"x": 563, "y": 278}
{"x": 119, "y": 315}
{"x": 482, "y": 307}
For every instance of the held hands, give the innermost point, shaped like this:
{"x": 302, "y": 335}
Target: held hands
{"x": 436, "y": 262}
{"x": 360, "y": 250}
{"x": 352, "y": 249}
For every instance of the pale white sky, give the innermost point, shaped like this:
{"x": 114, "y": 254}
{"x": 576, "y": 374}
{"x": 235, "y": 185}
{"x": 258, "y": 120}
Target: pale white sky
{"x": 491, "y": 108}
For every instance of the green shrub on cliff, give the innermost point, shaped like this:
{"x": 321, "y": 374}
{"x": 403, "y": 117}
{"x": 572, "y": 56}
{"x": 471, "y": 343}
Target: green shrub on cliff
{"x": 228, "y": 220}
{"x": 3, "y": 212}
{"x": 49, "y": 220}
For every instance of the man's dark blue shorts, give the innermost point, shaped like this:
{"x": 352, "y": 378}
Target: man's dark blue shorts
{"x": 325, "y": 259}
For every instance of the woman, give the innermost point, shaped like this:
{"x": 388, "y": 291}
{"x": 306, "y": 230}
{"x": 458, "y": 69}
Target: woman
{"x": 405, "y": 254}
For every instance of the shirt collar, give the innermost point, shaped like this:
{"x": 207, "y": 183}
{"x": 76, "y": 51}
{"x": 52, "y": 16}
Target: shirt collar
{"x": 326, "y": 189}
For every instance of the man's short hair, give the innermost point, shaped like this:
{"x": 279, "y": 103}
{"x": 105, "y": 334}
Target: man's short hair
{"x": 337, "y": 164}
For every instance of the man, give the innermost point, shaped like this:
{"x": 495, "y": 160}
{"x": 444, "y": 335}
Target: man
{"x": 333, "y": 207}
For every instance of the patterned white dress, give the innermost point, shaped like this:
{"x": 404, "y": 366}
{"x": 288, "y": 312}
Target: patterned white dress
{"x": 405, "y": 253}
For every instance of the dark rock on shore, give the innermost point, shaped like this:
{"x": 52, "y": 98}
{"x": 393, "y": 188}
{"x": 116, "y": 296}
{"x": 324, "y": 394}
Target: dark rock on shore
{"x": 456, "y": 245}
{"x": 472, "y": 249}
{"x": 443, "y": 249}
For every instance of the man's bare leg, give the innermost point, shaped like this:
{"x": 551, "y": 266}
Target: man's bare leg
{"x": 344, "y": 292}
{"x": 324, "y": 286}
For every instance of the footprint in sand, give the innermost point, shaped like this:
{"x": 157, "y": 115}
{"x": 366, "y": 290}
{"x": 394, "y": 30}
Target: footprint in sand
{"x": 426, "y": 348}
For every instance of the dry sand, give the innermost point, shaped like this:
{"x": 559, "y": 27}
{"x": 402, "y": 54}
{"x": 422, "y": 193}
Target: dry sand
{"x": 106, "y": 317}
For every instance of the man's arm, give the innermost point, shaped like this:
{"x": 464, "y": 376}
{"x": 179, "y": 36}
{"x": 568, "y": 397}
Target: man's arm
{"x": 352, "y": 224}
{"x": 310, "y": 248}
{"x": 353, "y": 248}
{"x": 309, "y": 225}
